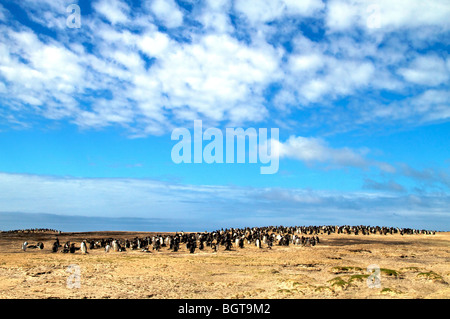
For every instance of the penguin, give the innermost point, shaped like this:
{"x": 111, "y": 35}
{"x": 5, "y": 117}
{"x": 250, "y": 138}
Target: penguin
{"x": 55, "y": 247}
{"x": 258, "y": 243}
{"x": 228, "y": 244}
{"x": 65, "y": 248}
{"x": 83, "y": 247}
{"x": 192, "y": 247}
{"x": 115, "y": 245}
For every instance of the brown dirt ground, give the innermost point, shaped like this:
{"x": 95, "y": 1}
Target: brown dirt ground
{"x": 412, "y": 266}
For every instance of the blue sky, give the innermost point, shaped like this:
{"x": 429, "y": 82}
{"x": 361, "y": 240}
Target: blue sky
{"x": 359, "y": 91}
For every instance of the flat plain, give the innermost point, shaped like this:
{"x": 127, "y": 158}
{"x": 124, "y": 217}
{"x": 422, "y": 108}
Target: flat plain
{"x": 410, "y": 266}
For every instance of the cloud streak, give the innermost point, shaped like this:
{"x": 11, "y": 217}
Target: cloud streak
{"x": 215, "y": 206}
{"x": 316, "y": 150}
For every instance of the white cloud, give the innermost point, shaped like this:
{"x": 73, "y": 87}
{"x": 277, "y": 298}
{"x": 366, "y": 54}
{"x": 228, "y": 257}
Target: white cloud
{"x": 48, "y": 78}
{"x": 430, "y": 106}
{"x": 214, "y": 16}
{"x": 304, "y": 8}
{"x": 214, "y": 74}
{"x": 155, "y": 44}
{"x": 269, "y": 10}
{"x": 386, "y": 15}
{"x": 341, "y": 14}
{"x": 115, "y": 11}
{"x": 3, "y": 13}
{"x": 306, "y": 62}
{"x": 317, "y": 76}
{"x": 414, "y": 13}
{"x": 168, "y": 12}
{"x": 429, "y": 70}
{"x": 313, "y": 150}
{"x": 316, "y": 150}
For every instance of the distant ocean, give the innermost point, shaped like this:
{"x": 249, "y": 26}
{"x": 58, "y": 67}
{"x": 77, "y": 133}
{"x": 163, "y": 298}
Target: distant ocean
{"x": 12, "y": 221}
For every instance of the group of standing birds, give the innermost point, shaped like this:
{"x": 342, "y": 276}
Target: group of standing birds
{"x": 261, "y": 237}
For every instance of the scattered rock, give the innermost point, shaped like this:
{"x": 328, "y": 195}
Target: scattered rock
{"x": 344, "y": 269}
{"x": 390, "y": 272}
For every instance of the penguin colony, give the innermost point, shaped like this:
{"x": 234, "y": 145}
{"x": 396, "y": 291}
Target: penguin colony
{"x": 31, "y": 231}
{"x": 261, "y": 237}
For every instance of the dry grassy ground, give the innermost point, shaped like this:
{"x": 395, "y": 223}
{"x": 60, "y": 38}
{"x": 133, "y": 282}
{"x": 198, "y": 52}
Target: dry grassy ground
{"x": 412, "y": 266}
